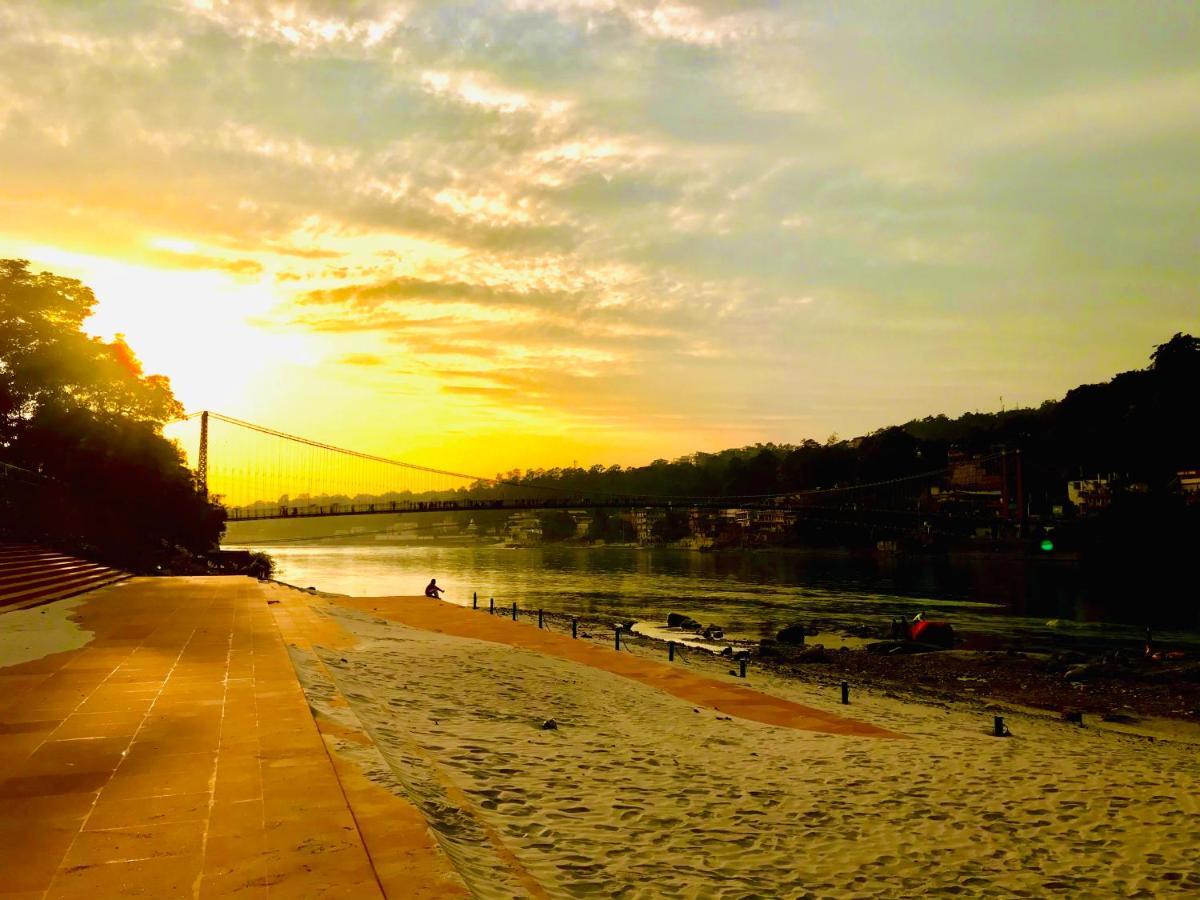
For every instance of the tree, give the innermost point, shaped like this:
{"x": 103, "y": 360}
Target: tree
{"x": 48, "y": 363}
{"x": 557, "y": 525}
{"x": 1181, "y": 354}
{"x": 674, "y": 525}
{"x": 80, "y": 412}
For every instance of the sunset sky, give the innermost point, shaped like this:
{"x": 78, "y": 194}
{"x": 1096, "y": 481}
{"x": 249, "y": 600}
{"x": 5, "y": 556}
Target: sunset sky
{"x": 485, "y": 235}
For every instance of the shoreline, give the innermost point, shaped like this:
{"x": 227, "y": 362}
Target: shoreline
{"x": 1113, "y": 689}
{"x": 1010, "y": 614}
{"x": 1015, "y": 679}
{"x": 964, "y": 677}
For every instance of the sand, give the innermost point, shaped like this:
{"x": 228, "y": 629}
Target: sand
{"x": 658, "y": 786}
{"x": 641, "y": 793}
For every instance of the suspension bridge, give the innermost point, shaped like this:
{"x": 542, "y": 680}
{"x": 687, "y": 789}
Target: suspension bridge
{"x": 260, "y": 473}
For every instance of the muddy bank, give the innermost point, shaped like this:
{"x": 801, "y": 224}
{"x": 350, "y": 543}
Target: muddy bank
{"x": 1117, "y": 685}
{"x": 1055, "y": 682}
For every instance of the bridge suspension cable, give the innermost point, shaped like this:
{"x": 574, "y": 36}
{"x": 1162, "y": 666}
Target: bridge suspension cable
{"x": 262, "y": 472}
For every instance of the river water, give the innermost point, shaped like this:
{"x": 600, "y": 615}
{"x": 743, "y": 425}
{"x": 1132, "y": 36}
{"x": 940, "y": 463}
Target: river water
{"x": 992, "y": 600}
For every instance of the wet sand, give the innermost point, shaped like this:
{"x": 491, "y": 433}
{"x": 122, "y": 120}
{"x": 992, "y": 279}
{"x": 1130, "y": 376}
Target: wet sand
{"x": 639, "y": 792}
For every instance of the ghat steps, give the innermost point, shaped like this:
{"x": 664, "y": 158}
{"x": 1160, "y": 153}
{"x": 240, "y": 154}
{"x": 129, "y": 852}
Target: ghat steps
{"x": 30, "y": 575}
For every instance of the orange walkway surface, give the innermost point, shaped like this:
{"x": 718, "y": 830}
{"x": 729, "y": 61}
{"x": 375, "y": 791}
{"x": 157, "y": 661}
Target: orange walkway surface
{"x": 175, "y": 756}
{"x": 731, "y": 699}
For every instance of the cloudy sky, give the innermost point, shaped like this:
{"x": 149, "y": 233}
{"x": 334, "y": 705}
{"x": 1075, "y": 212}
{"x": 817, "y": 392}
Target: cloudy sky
{"x": 509, "y": 234}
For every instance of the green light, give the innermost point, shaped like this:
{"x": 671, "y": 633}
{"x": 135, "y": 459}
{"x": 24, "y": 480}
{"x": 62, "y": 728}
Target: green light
{"x": 1047, "y": 545}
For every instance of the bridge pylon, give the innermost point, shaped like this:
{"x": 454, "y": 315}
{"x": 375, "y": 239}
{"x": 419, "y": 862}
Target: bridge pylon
{"x": 202, "y": 456}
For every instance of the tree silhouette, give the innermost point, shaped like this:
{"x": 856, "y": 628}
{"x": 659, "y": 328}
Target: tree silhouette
{"x": 80, "y": 413}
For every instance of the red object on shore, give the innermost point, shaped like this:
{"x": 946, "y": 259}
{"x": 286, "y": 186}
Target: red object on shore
{"x": 939, "y": 634}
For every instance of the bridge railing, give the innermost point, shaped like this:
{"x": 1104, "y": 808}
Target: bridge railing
{"x": 795, "y": 506}
{"x": 245, "y": 513}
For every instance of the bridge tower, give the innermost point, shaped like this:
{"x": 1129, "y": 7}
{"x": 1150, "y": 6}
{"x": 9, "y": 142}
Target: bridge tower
{"x": 202, "y": 457}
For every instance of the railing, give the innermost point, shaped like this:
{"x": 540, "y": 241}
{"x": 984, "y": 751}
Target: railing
{"x": 620, "y": 636}
{"x": 23, "y": 476}
{"x": 247, "y": 513}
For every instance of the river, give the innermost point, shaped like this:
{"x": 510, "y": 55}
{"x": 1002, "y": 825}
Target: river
{"x": 993, "y": 600}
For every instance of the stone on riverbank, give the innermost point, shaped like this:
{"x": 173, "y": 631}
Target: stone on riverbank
{"x": 679, "y": 620}
{"x": 792, "y": 634}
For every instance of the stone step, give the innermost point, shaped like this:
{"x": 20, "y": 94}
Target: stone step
{"x": 14, "y": 568}
{"x": 31, "y": 586}
{"x": 62, "y": 594}
{"x": 31, "y": 577}
{"x": 23, "y": 558}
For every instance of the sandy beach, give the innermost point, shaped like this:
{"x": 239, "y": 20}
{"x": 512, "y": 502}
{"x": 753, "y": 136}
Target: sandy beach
{"x": 237, "y": 738}
{"x": 639, "y": 793}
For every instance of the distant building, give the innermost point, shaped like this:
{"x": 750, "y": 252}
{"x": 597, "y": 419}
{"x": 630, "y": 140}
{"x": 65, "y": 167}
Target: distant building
{"x": 739, "y": 517}
{"x": 1189, "y": 484}
{"x": 772, "y": 518}
{"x": 974, "y": 474}
{"x": 1089, "y": 495}
{"x": 643, "y": 521}
{"x": 974, "y": 485}
{"x": 772, "y": 522}
{"x": 523, "y": 528}
{"x": 583, "y": 521}
{"x": 768, "y": 526}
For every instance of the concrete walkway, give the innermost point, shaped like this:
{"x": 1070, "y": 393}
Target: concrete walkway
{"x": 175, "y": 756}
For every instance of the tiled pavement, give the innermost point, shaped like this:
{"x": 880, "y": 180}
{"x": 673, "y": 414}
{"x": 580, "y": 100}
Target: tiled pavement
{"x": 174, "y": 756}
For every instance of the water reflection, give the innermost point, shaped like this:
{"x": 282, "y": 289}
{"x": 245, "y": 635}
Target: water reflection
{"x": 749, "y": 594}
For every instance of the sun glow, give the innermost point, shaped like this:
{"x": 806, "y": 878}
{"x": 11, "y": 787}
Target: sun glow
{"x": 201, "y": 329}
{"x": 175, "y": 245}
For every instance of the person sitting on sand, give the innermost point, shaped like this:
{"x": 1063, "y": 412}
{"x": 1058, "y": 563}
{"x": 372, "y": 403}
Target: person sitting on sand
{"x": 919, "y": 617}
{"x": 432, "y": 590}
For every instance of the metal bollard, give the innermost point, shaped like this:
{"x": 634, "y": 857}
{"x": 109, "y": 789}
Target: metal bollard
{"x": 574, "y": 628}
{"x": 617, "y": 636}
{"x": 514, "y": 610}
{"x": 998, "y": 728}
{"x": 540, "y": 625}
{"x": 743, "y": 666}
{"x": 491, "y": 606}
{"x": 845, "y": 693}
{"x": 670, "y": 651}
{"x": 474, "y": 600}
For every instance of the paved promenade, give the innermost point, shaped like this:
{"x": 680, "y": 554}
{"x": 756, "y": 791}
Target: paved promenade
{"x": 175, "y": 756}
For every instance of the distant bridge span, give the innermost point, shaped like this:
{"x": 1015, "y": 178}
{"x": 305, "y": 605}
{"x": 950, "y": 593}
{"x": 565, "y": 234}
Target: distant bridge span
{"x": 259, "y": 513}
{"x": 316, "y": 480}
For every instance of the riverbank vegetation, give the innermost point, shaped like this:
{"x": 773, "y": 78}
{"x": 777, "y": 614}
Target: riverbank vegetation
{"x": 1100, "y": 471}
{"x": 1135, "y": 427}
